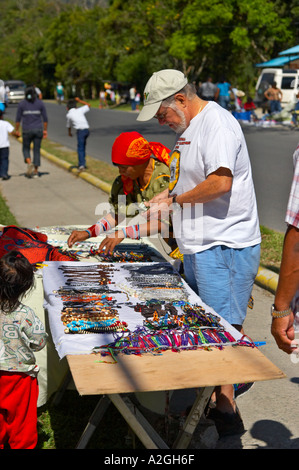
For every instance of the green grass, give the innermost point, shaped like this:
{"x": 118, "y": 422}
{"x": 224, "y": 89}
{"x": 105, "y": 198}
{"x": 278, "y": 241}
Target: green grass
{"x": 271, "y": 248}
{"x": 61, "y": 426}
{"x": 6, "y": 217}
{"x": 101, "y": 170}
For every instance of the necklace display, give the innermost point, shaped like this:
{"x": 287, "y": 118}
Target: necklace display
{"x": 92, "y": 300}
{"x": 158, "y": 280}
{"x": 87, "y": 310}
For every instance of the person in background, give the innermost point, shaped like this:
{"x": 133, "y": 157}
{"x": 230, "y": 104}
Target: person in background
{"x": 250, "y": 106}
{"x": 295, "y": 112}
{"x": 2, "y": 96}
{"x": 75, "y": 117}
{"x": 208, "y": 90}
{"x": 220, "y": 237}
{"x": 224, "y": 93}
{"x": 132, "y": 93}
{"x": 5, "y": 129}
{"x": 21, "y": 333}
{"x": 144, "y": 173}
{"x": 274, "y": 95}
{"x": 285, "y": 310}
{"x": 32, "y": 114}
{"x": 137, "y": 101}
{"x": 38, "y": 92}
{"x": 103, "y": 100}
{"x": 59, "y": 92}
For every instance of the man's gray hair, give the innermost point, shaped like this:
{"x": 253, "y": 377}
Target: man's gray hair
{"x": 189, "y": 91}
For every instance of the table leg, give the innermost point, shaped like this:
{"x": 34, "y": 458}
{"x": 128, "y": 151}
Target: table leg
{"x": 138, "y": 423}
{"x": 185, "y": 435}
{"x": 93, "y": 422}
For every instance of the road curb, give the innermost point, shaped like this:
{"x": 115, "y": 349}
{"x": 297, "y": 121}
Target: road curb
{"x": 82, "y": 174}
{"x": 265, "y": 278}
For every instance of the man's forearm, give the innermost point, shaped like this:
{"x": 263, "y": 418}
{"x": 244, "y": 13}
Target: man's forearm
{"x": 216, "y": 185}
{"x": 288, "y": 282}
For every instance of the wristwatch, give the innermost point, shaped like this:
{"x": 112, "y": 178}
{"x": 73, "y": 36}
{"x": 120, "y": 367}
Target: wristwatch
{"x": 281, "y": 314}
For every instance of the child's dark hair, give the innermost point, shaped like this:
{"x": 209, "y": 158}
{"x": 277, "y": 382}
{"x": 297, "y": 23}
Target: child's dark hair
{"x": 16, "y": 278}
{"x": 72, "y": 103}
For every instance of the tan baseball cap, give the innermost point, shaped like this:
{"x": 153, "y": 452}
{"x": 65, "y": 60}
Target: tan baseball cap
{"x": 160, "y": 86}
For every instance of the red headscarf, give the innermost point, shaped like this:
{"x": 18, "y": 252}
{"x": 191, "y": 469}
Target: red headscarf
{"x": 131, "y": 148}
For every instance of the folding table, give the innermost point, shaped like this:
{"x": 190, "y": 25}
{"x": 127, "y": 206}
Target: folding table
{"x": 199, "y": 369}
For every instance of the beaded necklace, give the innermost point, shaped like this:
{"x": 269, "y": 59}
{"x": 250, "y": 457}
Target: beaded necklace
{"x": 87, "y": 311}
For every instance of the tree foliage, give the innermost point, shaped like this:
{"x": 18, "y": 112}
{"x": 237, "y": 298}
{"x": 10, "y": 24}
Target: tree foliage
{"x": 86, "y": 43}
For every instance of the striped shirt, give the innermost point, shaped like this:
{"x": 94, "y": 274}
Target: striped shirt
{"x": 292, "y": 218}
{"x": 292, "y": 215}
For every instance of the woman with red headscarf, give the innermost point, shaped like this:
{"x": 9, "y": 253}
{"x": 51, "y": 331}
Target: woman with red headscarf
{"x": 144, "y": 173}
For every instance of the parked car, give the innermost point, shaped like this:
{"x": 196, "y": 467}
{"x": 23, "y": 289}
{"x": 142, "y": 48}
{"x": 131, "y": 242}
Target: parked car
{"x": 16, "y": 91}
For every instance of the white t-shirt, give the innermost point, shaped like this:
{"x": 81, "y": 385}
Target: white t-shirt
{"x": 76, "y": 117}
{"x": 214, "y": 139}
{"x": 5, "y": 129}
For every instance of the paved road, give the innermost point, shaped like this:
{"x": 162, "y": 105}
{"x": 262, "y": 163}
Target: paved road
{"x": 270, "y": 151}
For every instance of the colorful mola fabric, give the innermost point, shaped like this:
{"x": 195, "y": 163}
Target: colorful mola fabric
{"x": 33, "y": 245}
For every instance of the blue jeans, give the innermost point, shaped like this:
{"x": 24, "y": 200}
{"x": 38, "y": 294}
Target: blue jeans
{"x": 82, "y": 135}
{"x": 223, "y": 278}
{"x": 275, "y": 106}
{"x": 224, "y": 101}
{"x": 4, "y": 153}
{"x": 295, "y": 114}
{"x": 35, "y": 136}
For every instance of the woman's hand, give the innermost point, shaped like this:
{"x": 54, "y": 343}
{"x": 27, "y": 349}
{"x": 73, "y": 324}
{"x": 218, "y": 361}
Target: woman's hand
{"x": 77, "y": 236}
{"x": 110, "y": 242}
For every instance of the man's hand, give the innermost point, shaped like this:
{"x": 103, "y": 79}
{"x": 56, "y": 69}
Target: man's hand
{"x": 283, "y": 331}
{"x": 159, "y": 210}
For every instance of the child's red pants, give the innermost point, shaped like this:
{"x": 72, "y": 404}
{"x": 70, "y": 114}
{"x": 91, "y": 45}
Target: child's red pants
{"x": 18, "y": 410}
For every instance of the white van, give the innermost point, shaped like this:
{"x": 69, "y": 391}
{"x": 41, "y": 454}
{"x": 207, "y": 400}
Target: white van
{"x": 286, "y": 80}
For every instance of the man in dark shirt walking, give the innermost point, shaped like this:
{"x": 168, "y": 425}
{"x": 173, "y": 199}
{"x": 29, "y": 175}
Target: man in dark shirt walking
{"x": 33, "y": 115}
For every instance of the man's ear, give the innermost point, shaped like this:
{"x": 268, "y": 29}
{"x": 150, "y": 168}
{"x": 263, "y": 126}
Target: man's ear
{"x": 180, "y": 99}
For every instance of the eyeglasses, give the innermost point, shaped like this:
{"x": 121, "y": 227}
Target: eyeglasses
{"x": 161, "y": 116}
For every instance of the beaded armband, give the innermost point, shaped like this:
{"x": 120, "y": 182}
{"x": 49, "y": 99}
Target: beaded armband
{"x": 101, "y": 226}
{"x": 132, "y": 231}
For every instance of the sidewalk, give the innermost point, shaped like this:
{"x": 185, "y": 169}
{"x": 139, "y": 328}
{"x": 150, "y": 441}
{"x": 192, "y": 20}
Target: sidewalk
{"x": 59, "y": 197}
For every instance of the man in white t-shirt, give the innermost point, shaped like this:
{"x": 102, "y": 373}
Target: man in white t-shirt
{"x": 76, "y": 118}
{"x": 212, "y": 197}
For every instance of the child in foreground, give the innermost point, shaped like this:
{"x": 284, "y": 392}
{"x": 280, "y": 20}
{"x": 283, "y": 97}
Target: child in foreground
{"x": 21, "y": 333}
